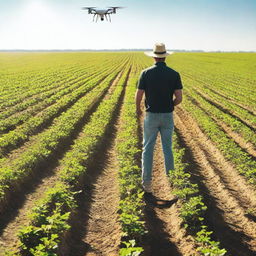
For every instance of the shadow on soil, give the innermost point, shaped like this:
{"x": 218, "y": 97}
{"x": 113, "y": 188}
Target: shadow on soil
{"x": 153, "y": 201}
{"x": 157, "y": 241}
{"x": 223, "y": 231}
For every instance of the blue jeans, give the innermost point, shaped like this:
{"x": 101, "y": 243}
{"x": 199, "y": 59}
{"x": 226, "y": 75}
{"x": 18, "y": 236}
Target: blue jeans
{"x": 154, "y": 123}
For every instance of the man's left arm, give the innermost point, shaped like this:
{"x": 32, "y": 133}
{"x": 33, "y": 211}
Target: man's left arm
{"x": 178, "y": 91}
{"x": 178, "y": 97}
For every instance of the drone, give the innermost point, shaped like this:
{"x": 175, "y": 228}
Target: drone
{"x": 101, "y": 12}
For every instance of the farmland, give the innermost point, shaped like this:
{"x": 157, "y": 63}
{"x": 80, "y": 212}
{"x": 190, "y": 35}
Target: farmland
{"x": 70, "y": 146}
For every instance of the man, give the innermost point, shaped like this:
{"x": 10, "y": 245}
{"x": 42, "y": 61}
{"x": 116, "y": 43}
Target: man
{"x": 160, "y": 84}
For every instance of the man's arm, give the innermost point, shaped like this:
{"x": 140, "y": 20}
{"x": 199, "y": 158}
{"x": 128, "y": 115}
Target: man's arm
{"x": 178, "y": 97}
{"x": 138, "y": 98}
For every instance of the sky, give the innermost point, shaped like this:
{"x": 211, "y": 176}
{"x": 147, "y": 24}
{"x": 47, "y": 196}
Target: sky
{"x": 209, "y": 25}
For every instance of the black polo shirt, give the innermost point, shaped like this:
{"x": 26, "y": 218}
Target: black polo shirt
{"x": 159, "y": 83}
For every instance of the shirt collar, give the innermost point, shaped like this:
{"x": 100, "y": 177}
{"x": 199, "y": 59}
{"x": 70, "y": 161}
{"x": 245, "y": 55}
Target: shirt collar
{"x": 160, "y": 64}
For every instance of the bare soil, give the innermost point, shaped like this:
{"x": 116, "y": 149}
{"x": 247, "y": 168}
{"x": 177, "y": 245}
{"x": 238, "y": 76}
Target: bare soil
{"x": 246, "y": 146}
{"x": 96, "y": 228}
{"x": 166, "y": 235}
{"x": 225, "y": 110}
{"x": 227, "y": 194}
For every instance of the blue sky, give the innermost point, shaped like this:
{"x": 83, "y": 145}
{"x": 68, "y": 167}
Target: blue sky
{"x": 228, "y": 25}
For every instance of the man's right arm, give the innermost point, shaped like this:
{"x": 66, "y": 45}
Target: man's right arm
{"x": 139, "y": 92}
{"x": 138, "y": 98}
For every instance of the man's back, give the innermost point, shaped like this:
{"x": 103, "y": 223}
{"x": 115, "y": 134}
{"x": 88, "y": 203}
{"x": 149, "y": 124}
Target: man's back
{"x": 159, "y": 83}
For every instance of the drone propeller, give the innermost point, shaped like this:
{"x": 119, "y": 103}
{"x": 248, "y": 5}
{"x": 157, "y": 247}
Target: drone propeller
{"x": 115, "y": 7}
{"x": 89, "y": 9}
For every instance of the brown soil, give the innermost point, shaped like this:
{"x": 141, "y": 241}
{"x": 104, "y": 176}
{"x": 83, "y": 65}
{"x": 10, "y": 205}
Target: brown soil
{"x": 16, "y": 214}
{"x": 103, "y": 230}
{"x": 247, "y": 108}
{"x": 227, "y": 194}
{"x": 225, "y": 110}
{"x": 96, "y": 229}
{"x": 166, "y": 235}
{"x": 17, "y": 217}
{"x": 246, "y": 146}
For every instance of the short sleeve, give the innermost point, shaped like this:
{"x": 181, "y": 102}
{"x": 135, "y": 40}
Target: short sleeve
{"x": 141, "y": 82}
{"x": 178, "y": 82}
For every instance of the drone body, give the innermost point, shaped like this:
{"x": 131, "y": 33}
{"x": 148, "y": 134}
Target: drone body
{"x": 101, "y": 13}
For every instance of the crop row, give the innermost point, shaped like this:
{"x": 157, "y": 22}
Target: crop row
{"x": 47, "y": 88}
{"x": 31, "y": 107}
{"x": 192, "y": 208}
{"x": 50, "y": 218}
{"x": 21, "y": 133}
{"x": 131, "y": 204}
{"x": 48, "y": 92}
{"x": 243, "y": 162}
{"x": 29, "y": 85}
{"x": 14, "y": 96}
{"x": 235, "y": 124}
{"x": 227, "y": 74}
{"x": 47, "y": 142}
{"x": 223, "y": 103}
{"x": 31, "y": 70}
{"x": 237, "y": 111}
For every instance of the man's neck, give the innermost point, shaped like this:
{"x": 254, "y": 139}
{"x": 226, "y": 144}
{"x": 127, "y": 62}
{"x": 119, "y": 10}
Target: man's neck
{"x": 159, "y": 62}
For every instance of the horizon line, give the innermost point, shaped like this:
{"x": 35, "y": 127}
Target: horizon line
{"x": 118, "y": 49}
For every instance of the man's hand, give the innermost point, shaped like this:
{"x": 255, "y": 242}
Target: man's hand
{"x": 138, "y": 111}
{"x": 138, "y": 98}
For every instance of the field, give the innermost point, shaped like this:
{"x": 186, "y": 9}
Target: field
{"x": 70, "y": 146}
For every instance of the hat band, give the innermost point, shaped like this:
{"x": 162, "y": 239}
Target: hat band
{"x": 160, "y": 52}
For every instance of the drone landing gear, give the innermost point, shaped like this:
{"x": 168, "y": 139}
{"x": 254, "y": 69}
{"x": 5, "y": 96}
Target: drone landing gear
{"x": 97, "y": 16}
{"x": 108, "y": 17}
{"x": 94, "y": 17}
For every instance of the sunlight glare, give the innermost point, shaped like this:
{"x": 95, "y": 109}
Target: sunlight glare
{"x": 39, "y": 25}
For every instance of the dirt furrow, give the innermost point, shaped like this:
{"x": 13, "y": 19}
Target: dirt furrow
{"x": 227, "y": 111}
{"x": 16, "y": 214}
{"x": 224, "y": 189}
{"x": 96, "y": 229}
{"x": 248, "y": 147}
{"x": 15, "y": 149}
{"x": 236, "y": 183}
{"x": 233, "y": 101}
{"x": 247, "y": 108}
{"x": 33, "y": 138}
{"x": 95, "y": 226}
{"x": 166, "y": 236}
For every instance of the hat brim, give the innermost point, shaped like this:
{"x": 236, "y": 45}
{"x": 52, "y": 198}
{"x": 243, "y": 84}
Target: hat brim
{"x": 152, "y": 54}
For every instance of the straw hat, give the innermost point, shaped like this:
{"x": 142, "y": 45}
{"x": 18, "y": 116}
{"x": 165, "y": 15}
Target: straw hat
{"x": 159, "y": 51}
